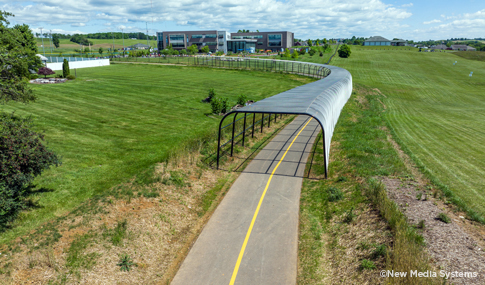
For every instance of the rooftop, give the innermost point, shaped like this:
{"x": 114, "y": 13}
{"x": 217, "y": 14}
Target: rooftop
{"x": 377, "y": 39}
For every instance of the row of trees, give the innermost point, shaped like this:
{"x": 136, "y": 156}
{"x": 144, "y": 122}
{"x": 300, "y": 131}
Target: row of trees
{"x": 81, "y": 39}
{"x": 23, "y": 154}
{"x": 193, "y": 49}
{"x": 109, "y": 35}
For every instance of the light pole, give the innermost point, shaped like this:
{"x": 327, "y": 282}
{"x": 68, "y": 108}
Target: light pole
{"x": 123, "y": 36}
{"x": 50, "y": 40}
{"x": 147, "y": 35}
{"x": 42, "y": 40}
{"x": 113, "y": 50}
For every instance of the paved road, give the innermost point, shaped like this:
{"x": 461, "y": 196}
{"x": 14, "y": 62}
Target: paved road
{"x": 252, "y": 237}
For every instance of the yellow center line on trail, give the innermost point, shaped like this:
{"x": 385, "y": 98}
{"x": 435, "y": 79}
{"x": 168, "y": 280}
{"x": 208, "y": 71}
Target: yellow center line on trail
{"x": 241, "y": 253}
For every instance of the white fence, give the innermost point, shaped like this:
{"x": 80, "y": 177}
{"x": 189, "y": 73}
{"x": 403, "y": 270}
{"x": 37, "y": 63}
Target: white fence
{"x": 79, "y": 64}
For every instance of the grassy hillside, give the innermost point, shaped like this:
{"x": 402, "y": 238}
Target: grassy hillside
{"x": 436, "y": 110}
{"x": 473, "y": 55}
{"x": 115, "y": 122}
{"x": 66, "y": 46}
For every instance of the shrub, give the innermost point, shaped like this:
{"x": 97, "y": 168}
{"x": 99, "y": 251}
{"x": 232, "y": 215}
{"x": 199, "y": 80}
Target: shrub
{"x": 216, "y": 105}
{"x": 205, "y": 49}
{"x": 65, "y": 68}
{"x": 379, "y": 251}
{"x": 302, "y": 51}
{"x": 212, "y": 94}
{"x": 224, "y": 105}
{"x": 344, "y": 51}
{"x": 349, "y": 216}
{"x": 444, "y": 218}
{"x": 34, "y": 76}
{"x": 311, "y": 52}
{"x": 242, "y": 99}
{"x": 294, "y": 55}
{"x": 71, "y": 77}
{"x": 126, "y": 263}
{"x": 321, "y": 53}
{"x": 367, "y": 265}
{"x": 23, "y": 156}
{"x": 334, "y": 194}
{"x": 45, "y": 71}
{"x": 183, "y": 52}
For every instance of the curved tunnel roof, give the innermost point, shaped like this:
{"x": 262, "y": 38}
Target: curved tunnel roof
{"x": 322, "y": 100}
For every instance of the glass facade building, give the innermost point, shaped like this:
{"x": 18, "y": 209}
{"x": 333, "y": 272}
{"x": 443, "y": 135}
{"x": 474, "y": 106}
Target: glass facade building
{"x": 225, "y": 41}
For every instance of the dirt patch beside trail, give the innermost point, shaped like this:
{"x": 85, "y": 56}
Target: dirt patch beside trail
{"x": 457, "y": 246}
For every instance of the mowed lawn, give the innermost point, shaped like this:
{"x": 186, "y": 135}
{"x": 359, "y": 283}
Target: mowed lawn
{"x": 68, "y": 47}
{"x": 437, "y": 110}
{"x": 114, "y": 122}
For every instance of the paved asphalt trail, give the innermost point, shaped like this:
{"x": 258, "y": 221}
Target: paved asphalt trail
{"x": 237, "y": 246}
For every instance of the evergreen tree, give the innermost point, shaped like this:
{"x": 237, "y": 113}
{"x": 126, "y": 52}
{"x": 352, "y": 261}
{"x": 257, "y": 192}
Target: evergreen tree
{"x": 65, "y": 69}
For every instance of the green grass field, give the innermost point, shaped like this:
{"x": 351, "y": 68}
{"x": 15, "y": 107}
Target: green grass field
{"x": 473, "y": 55}
{"x": 436, "y": 110}
{"x": 68, "y": 47}
{"x": 115, "y": 122}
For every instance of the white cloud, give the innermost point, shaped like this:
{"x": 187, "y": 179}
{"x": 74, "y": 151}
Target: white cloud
{"x": 432, "y": 22}
{"x": 78, "y": 25}
{"x": 57, "y": 31}
{"x": 408, "y": 5}
{"x": 315, "y": 18}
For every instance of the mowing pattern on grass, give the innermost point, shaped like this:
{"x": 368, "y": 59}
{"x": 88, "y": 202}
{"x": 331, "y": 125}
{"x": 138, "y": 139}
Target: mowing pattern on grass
{"x": 436, "y": 114}
{"x": 115, "y": 122}
{"x": 342, "y": 239}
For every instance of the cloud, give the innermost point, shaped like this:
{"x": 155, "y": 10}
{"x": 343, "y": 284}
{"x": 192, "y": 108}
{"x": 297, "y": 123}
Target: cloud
{"x": 306, "y": 18}
{"x": 432, "y": 22}
{"x": 462, "y": 26}
{"x": 408, "y": 5}
{"x": 78, "y": 25}
{"x": 57, "y": 31}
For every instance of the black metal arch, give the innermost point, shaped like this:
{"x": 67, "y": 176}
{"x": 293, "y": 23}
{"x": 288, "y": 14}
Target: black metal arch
{"x": 322, "y": 100}
{"x": 236, "y": 112}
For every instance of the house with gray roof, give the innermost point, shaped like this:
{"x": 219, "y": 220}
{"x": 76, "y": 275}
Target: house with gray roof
{"x": 377, "y": 41}
{"x": 463, "y": 48}
{"x": 398, "y": 43}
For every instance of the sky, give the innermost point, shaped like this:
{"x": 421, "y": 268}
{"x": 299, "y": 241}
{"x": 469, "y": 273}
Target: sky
{"x": 405, "y": 19}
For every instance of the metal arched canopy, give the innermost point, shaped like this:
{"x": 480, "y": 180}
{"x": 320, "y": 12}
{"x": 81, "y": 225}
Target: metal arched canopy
{"x": 322, "y": 100}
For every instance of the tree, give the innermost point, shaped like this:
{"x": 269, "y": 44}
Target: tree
{"x": 294, "y": 55}
{"x": 310, "y": 43}
{"x": 45, "y": 71}
{"x": 317, "y": 43}
{"x": 65, "y": 68}
{"x": 344, "y": 51}
{"x": 166, "y": 52}
{"x": 324, "y": 41}
{"x": 287, "y": 53}
{"x": 100, "y": 50}
{"x": 55, "y": 40}
{"x": 302, "y": 51}
{"x": 183, "y": 52}
{"x": 22, "y": 153}
{"x": 311, "y": 52}
{"x": 193, "y": 49}
{"x": 17, "y": 56}
{"x": 205, "y": 49}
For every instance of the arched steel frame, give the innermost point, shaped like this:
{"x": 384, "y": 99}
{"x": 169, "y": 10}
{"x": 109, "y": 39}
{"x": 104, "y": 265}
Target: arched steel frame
{"x": 322, "y": 100}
